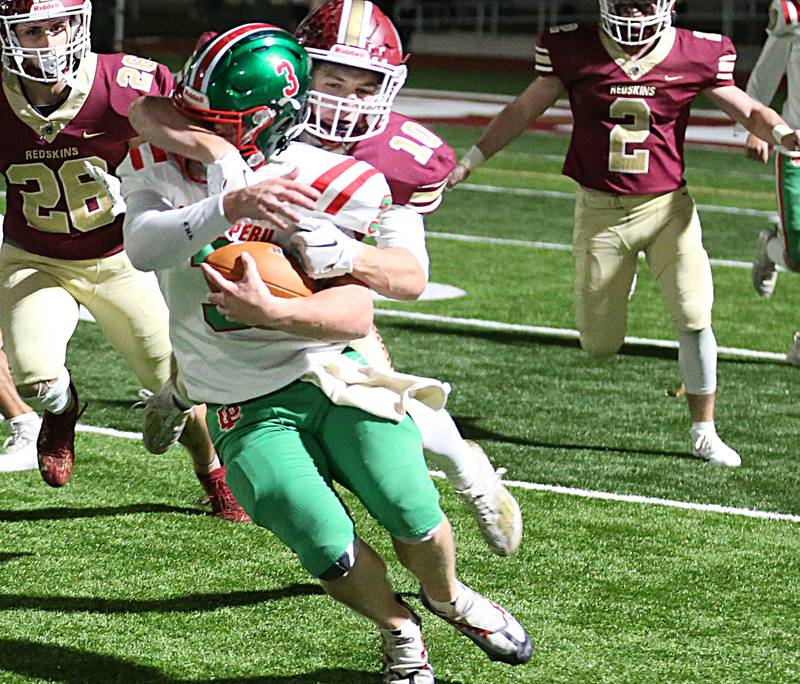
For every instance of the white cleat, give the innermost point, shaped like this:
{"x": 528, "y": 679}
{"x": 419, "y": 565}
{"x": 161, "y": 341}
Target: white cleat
{"x": 19, "y": 450}
{"x": 710, "y": 447}
{"x": 496, "y": 510}
{"x": 405, "y": 657}
{"x": 490, "y": 626}
{"x": 793, "y": 353}
{"x": 164, "y": 418}
{"x": 764, "y": 273}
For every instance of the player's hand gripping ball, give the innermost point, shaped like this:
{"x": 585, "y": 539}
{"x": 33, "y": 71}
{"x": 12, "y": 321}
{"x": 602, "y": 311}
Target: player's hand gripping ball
{"x": 280, "y": 274}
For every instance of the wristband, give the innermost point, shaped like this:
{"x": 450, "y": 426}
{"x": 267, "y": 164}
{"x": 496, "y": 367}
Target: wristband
{"x": 474, "y": 157}
{"x": 780, "y": 131}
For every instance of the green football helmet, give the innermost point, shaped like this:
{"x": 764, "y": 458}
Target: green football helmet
{"x": 254, "y": 77}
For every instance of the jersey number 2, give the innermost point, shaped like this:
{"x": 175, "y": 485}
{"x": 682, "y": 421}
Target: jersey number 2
{"x": 636, "y": 129}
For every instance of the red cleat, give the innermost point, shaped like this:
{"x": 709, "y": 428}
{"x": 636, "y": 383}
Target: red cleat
{"x": 223, "y": 503}
{"x": 56, "y": 443}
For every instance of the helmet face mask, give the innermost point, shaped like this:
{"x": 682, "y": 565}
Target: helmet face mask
{"x": 44, "y": 64}
{"x": 635, "y": 22}
{"x": 355, "y": 34}
{"x": 250, "y": 84}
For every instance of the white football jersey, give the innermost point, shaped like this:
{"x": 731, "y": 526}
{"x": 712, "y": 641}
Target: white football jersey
{"x": 780, "y": 55}
{"x": 219, "y": 361}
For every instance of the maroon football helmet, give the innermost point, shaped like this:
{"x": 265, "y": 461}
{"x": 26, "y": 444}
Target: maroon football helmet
{"x": 354, "y": 33}
{"x": 48, "y": 64}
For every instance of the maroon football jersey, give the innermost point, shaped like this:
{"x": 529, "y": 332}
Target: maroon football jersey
{"x": 415, "y": 161}
{"x": 53, "y": 207}
{"x": 630, "y": 116}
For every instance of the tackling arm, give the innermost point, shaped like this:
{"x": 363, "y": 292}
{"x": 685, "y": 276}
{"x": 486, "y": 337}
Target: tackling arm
{"x": 515, "y": 117}
{"x": 398, "y": 266}
{"x": 158, "y": 122}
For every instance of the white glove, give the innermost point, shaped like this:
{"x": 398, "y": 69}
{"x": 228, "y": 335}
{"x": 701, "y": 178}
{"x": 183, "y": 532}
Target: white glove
{"x": 111, "y": 185}
{"x": 322, "y": 249}
{"x": 230, "y": 172}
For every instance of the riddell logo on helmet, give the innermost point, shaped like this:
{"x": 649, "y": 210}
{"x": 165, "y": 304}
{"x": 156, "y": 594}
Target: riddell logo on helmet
{"x": 46, "y": 7}
{"x": 194, "y": 97}
{"x": 350, "y": 51}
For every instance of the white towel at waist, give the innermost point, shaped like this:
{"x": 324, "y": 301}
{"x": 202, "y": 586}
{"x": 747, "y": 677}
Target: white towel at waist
{"x": 386, "y": 394}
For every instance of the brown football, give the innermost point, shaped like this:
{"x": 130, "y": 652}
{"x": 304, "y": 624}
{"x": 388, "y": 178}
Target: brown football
{"x": 279, "y": 273}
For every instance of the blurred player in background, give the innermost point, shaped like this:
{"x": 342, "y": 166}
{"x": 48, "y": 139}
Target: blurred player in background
{"x": 359, "y": 67}
{"x": 779, "y": 245}
{"x": 631, "y": 82}
{"x": 262, "y": 364}
{"x": 63, "y": 110}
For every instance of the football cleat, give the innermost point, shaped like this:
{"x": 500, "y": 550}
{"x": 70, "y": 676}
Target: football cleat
{"x": 55, "y": 445}
{"x": 793, "y": 353}
{"x": 496, "y": 511}
{"x": 19, "y": 449}
{"x": 223, "y": 503}
{"x": 495, "y": 631}
{"x": 405, "y": 657}
{"x": 764, "y": 273}
{"x": 164, "y": 418}
{"x": 710, "y": 447}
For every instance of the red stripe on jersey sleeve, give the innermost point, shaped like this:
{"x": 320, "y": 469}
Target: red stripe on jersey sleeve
{"x": 344, "y": 196}
{"x": 332, "y": 174}
{"x": 136, "y": 158}
{"x": 158, "y": 154}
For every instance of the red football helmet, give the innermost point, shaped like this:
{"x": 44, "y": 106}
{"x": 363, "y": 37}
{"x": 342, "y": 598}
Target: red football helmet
{"x": 354, "y": 33}
{"x": 48, "y": 64}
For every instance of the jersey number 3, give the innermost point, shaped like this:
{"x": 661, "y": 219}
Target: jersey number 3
{"x": 636, "y": 129}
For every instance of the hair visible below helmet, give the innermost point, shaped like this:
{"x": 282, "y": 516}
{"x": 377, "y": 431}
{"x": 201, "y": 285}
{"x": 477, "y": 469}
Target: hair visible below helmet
{"x": 49, "y": 64}
{"x": 655, "y": 18}
{"x": 354, "y": 33}
{"x": 254, "y": 76}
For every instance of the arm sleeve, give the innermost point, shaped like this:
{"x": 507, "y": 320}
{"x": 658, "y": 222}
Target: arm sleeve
{"x": 403, "y": 227}
{"x": 159, "y": 236}
{"x": 770, "y": 68}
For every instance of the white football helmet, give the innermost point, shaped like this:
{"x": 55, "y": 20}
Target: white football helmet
{"x": 46, "y": 64}
{"x": 635, "y": 22}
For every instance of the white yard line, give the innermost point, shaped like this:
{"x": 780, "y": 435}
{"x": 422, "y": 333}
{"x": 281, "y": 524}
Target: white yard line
{"x": 567, "y": 333}
{"x": 647, "y": 500}
{"x": 556, "y": 194}
{"x": 556, "y": 489}
{"x": 555, "y": 246}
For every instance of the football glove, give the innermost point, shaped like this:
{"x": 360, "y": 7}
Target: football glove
{"x": 110, "y": 184}
{"x": 322, "y": 249}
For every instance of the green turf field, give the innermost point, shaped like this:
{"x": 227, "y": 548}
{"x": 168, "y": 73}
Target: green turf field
{"x": 121, "y": 577}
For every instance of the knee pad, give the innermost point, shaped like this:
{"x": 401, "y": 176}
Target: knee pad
{"x": 50, "y": 396}
{"x": 345, "y": 563}
{"x": 697, "y": 357}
